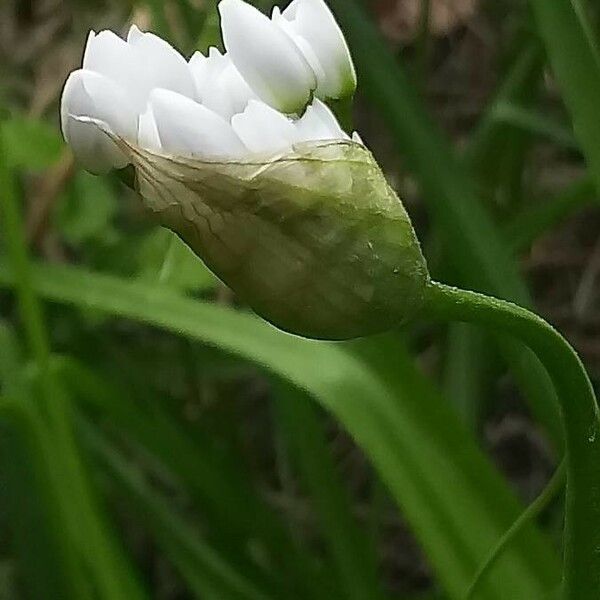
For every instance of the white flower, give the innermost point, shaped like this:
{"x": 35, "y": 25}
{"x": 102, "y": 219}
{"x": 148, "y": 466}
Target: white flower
{"x": 86, "y": 94}
{"x": 314, "y": 29}
{"x": 266, "y": 57}
{"x": 319, "y": 123}
{"x": 219, "y": 85}
{"x": 113, "y": 87}
{"x": 185, "y": 128}
{"x": 263, "y": 129}
{"x": 254, "y": 99}
{"x": 161, "y": 66}
{"x": 140, "y": 64}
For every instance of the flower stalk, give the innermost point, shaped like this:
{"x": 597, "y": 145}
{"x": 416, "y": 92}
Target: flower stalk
{"x": 580, "y": 413}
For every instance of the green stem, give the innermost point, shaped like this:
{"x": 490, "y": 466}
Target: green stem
{"x": 580, "y": 415}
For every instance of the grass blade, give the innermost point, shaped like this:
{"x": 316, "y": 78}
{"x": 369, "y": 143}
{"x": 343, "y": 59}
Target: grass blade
{"x": 204, "y": 570}
{"x": 349, "y": 546}
{"x": 575, "y": 58}
{"x": 213, "y": 479}
{"x": 408, "y": 432}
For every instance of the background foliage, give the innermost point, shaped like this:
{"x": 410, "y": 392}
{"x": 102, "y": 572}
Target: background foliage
{"x": 159, "y": 441}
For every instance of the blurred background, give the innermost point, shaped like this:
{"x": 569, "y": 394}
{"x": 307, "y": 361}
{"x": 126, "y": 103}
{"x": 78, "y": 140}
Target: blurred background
{"x": 159, "y": 441}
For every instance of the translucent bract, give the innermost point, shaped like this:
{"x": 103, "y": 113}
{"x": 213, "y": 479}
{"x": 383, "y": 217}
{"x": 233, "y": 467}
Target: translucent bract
{"x": 314, "y": 240}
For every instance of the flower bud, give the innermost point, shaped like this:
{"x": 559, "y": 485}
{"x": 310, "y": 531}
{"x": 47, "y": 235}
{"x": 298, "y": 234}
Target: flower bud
{"x": 187, "y": 128}
{"x": 314, "y": 240}
{"x": 219, "y": 85}
{"x": 87, "y": 93}
{"x": 266, "y": 57}
{"x": 319, "y": 123}
{"x": 113, "y": 87}
{"x": 263, "y": 129}
{"x": 315, "y": 31}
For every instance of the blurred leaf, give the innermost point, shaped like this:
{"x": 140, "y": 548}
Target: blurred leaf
{"x": 493, "y": 141}
{"x": 457, "y": 505}
{"x": 46, "y": 562}
{"x": 10, "y": 360}
{"x": 86, "y": 535}
{"x": 212, "y": 478}
{"x": 350, "y": 548}
{"x": 534, "y": 123}
{"x": 106, "y": 565}
{"x": 469, "y": 356}
{"x": 165, "y": 259}
{"x": 536, "y": 220}
{"x": 87, "y": 210}
{"x": 208, "y": 574}
{"x": 572, "y": 48}
{"x": 31, "y": 144}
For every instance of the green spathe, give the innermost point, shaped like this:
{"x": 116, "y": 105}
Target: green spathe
{"x": 314, "y": 240}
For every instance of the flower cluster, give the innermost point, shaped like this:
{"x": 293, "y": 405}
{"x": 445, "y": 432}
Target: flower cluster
{"x": 265, "y": 94}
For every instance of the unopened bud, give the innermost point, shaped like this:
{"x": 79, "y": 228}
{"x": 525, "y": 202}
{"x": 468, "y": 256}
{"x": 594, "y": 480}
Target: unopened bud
{"x": 314, "y": 240}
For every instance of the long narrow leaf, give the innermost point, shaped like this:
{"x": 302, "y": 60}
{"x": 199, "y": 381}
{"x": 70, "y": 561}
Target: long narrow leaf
{"x": 575, "y": 58}
{"x": 350, "y": 549}
{"x": 456, "y": 504}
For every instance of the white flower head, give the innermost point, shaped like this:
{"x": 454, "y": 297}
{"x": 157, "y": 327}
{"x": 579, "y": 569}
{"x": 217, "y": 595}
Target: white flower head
{"x": 113, "y": 87}
{"x": 256, "y": 98}
{"x": 315, "y": 31}
{"x": 266, "y": 57}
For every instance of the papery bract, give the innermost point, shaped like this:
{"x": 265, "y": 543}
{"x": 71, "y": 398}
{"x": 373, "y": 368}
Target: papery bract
{"x": 315, "y": 240}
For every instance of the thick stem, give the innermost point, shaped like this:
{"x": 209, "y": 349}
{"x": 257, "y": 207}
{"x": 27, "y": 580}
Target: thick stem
{"x": 580, "y": 415}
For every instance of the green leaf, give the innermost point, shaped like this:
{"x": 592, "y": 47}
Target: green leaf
{"x": 455, "y": 502}
{"x": 208, "y": 574}
{"x": 575, "y": 59}
{"x": 213, "y": 479}
{"x": 46, "y": 562}
{"x": 31, "y": 144}
{"x": 164, "y": 258}
{"x": 87, "y": 210}
{"x": 349, "y": 547}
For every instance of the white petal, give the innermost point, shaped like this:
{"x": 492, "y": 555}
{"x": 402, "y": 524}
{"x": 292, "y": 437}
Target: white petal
{"x": 199, "y": 67}
{"x": 314, "y": 25}
{"x": 356, "y": 138}
{"x": 134, "y": 34}
{"x": 206, "y": 68}
{"x": 148, "y": 137}
{"x": 219, "y": 85}
{"x": 90, "y": 94}
{"x": 303, "y": 45}
{"x": 188, "y": 128}
{"x": 319, "y": 123}
{"x": 161, "y": 66}
{"x": 263, "y": 129}
{"x": 107, "y": 54}
{"x": 266, "y": 57}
